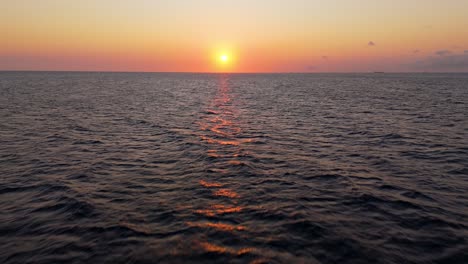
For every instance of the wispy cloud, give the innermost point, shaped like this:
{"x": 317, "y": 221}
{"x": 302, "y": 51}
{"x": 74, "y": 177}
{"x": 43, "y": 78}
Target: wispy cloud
{"x": 371, "y": 44}
{"x": 416, "y": 51}
{"x": 325, "y": 57}
{"x": 443, "y": 52}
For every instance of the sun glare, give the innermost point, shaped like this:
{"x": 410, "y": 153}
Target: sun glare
{"x": 224, "y": 58}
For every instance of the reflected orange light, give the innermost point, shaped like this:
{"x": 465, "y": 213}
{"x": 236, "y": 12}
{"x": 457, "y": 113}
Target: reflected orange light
{"x": 213, "y": 248}
{"x": 210, "y": 184}
{"x": 220, "y": 142}
{"x": 220, "y": 226}
{"x": 222, "y": 121}
{"x": 216, "y": 130}
{"x": 226, "y": 193}
{"x": 210, "y": 247}
{"x": 214, "y": 155}
{"x": 218, "y": 209}
{"x": 235, "y": 162}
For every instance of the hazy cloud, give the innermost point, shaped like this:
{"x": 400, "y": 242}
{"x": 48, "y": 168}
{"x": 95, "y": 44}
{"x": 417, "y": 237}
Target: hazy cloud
{"x": 416, "y": 51}
{"x": 325, "y": 57}
{"x": 466, "y": 51}
{"x": 312, "y": 68}
{"x": 371, "y": 44}
{"x": 443, "y": 52}
{"x": 454, "y": 63}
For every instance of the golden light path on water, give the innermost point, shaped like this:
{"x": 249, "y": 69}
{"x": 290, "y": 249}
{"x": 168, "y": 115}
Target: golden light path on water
{"x": 220, "y": 131}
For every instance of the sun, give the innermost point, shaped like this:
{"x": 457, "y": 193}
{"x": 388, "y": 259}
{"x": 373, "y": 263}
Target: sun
{"x": 224, "y": 58}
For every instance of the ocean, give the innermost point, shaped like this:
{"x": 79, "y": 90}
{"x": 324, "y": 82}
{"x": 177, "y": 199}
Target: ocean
{"x": 233, "y": 168}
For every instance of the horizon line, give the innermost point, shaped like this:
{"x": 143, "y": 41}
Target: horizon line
{"x": 260, "y": 72}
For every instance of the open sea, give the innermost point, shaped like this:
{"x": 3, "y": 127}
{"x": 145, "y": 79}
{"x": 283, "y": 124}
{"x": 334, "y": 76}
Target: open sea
{"x": 233, "y": 168}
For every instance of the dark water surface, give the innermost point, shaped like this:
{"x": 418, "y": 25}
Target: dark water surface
{"x": 177, "y": 168}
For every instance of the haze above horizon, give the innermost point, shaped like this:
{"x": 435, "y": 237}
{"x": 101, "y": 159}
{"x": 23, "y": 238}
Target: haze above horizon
{"x": 235, "y": 36}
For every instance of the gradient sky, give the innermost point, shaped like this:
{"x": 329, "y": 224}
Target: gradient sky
{"x": 259, "y": 36}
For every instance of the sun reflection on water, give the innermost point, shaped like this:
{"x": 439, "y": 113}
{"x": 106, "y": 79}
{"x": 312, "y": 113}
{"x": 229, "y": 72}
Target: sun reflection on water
{"x": 210, "y": 247}
{"x": 220, "y": 130}
{"x": 220, "y": 226}
{"x": 210, "y": 184}
{"x": 219, "y": 209}
{"x": 226, "y": 193}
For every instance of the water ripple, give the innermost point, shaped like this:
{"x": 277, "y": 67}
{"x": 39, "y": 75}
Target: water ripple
{"x": 254, "y": 168}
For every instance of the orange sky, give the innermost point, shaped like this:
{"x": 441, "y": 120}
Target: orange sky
{"x": 258, "y": 36}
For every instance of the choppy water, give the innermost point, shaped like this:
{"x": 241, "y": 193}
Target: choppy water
{"x": 177, "y": 168}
